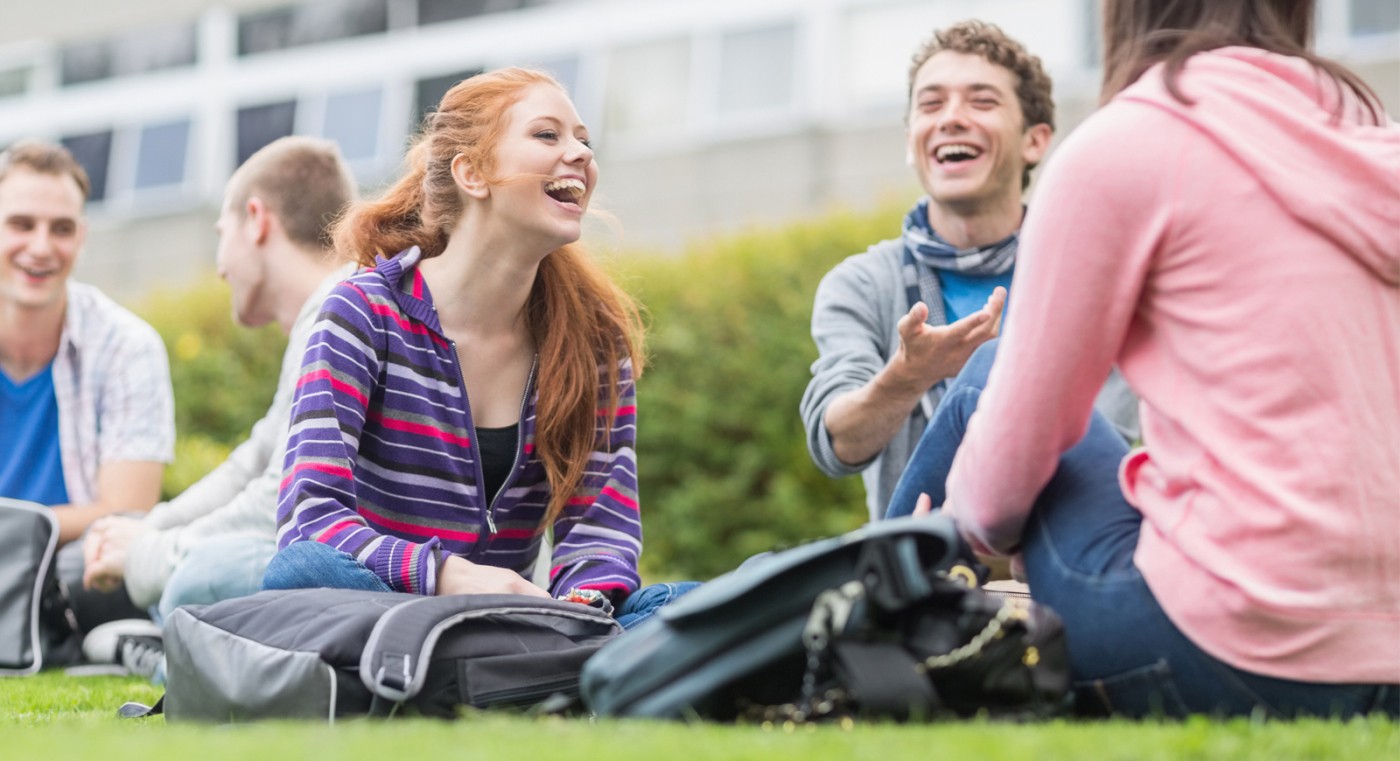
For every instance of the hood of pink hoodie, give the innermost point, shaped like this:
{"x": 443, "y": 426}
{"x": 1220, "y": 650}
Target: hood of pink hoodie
{"x": 1272, "y": 113}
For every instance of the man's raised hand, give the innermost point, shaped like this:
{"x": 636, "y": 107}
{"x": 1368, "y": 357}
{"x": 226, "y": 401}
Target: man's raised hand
{"x": 931, "y": 353}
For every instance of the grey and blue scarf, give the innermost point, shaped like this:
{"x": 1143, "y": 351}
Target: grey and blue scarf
{"x": 924, "y": 246}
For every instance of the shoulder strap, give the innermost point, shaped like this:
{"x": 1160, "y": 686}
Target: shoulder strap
{"x": 134, "y": 710}
{"x": 394, "y": 664}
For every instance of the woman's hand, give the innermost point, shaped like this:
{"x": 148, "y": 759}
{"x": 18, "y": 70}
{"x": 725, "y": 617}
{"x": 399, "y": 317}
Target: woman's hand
{"x": 460, "y": 576}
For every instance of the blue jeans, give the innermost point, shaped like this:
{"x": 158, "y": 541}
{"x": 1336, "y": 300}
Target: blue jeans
{"x": 306, "y": 565}
{"x": 214, "y": 570}
{"x": 1126, "y": 656}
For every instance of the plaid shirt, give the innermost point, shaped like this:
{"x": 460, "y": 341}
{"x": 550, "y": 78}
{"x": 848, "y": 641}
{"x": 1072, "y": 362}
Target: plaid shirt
{"x": 112, "y": 381}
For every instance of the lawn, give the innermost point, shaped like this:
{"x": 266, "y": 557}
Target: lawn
{"x": 56, "y": 717}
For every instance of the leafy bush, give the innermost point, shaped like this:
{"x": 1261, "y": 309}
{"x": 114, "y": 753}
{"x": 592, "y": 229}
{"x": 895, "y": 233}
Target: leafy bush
{"x": 724, "y": 469}
{"x": 224, "y": 375}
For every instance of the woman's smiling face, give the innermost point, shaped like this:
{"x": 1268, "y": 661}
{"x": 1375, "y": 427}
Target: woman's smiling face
{"x": 545, "y": 167}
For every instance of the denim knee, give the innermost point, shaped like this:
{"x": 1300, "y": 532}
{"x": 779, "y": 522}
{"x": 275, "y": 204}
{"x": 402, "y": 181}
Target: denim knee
{"x": 643, "y": 604}
{"x": 308, "y": 565}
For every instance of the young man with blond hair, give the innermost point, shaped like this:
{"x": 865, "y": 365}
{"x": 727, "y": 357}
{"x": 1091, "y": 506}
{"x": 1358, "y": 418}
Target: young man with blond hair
{"x": 214, "y": 540}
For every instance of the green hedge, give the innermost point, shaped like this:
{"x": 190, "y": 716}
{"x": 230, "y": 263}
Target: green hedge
{"x": 224, "y": 375}
{"x": 723, "y": 462}
{"x": 724, "y": 469}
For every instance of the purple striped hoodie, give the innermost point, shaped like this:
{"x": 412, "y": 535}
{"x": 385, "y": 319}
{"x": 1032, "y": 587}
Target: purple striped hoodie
{"x": 382, "y": 461}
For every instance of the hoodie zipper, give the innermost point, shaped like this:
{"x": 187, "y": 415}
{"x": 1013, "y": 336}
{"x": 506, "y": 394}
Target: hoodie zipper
{"x": 519, "y": 445}
{"x": 476, "y": 445}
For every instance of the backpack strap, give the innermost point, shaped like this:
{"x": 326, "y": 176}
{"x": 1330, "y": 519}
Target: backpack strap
{"x": 395, "y": 660}
{"x": 134, "y": 710}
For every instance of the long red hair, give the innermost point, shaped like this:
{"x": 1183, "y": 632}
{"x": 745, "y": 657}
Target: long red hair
{"x": 583, "y": 325}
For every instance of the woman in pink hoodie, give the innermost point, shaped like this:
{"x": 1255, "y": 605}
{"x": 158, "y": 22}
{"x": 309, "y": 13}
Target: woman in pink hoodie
{"x": 1227, "y": 230}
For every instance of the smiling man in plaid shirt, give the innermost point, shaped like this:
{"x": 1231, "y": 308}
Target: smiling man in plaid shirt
{"x": 86, "y": 408}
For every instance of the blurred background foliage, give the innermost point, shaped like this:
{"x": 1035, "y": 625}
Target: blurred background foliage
{"x": 224, "y": 375}
{"x": 724, "y": 469}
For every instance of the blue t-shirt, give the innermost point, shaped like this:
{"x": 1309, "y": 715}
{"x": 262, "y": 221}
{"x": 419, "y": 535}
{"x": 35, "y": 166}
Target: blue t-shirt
{"x": 965, "y": 294}
{"x": 31, "y": 467}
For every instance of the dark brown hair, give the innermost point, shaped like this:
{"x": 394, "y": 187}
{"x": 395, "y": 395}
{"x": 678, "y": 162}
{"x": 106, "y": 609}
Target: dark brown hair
{"x": 988, "y": 41}
{"x": 1138, "y": 34}
{"x": 584, "y": 326}
{"x": 44, "y": 158}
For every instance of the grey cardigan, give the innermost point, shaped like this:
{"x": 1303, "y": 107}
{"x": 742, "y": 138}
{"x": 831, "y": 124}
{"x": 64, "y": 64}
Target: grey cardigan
{"x": 855, "y": 325}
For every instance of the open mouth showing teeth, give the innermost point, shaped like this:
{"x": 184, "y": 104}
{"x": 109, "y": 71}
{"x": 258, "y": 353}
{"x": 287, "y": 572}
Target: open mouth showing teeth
{"x": 952, "y": 154}
{"x": 565, "y": 191}
{"x": 35, "y": 272}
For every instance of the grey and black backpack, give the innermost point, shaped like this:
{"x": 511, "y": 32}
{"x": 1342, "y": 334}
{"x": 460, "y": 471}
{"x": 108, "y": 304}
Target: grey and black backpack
{"x": 328, "y": 653}
{"x": 34, "y": 630}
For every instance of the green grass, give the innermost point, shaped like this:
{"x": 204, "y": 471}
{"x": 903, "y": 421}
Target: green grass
{"x": 55, "y": 717}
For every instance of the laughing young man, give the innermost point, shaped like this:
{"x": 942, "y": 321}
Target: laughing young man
{"x": 87, "y": 417}
{"x": 892, "y": 324}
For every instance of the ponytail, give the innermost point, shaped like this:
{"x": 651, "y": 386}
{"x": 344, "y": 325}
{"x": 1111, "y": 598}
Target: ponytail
{"x": 394, "y": 221}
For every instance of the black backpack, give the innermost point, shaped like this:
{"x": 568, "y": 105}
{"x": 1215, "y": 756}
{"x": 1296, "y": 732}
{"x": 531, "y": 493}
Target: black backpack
{"x": 328, "y": 653}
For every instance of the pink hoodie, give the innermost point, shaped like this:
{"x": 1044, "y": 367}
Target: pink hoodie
{"x": 1240, "y": 260}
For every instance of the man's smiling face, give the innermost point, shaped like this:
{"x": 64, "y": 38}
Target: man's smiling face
{"x": 41, "y": 231}
{"x": 967, "y": 137}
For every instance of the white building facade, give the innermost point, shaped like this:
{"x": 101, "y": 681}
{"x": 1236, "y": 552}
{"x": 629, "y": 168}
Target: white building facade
{"x": 707, "y": 115}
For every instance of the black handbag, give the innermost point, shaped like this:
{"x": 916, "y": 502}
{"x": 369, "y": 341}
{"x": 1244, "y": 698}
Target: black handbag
{"x": 936, "y": 648}
{"x": 882, "y": 622}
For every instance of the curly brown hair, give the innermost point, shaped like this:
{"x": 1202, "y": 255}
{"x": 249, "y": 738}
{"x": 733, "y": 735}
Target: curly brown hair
{"x": 988, "y": 41}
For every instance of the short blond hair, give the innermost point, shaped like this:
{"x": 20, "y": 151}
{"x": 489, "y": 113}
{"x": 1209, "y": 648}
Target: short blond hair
{"x": 304, "y": 182}
{"x": 44, "y": 158}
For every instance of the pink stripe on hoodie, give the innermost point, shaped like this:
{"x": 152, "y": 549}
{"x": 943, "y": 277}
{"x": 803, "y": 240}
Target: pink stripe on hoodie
{"x": 1240, "y": 260}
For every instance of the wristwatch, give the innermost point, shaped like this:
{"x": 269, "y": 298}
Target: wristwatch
{"x": 590, "y": 597}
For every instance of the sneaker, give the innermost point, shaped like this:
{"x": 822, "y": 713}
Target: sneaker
{"x": 102, "y": 643}
{"x": 142, "y": 655}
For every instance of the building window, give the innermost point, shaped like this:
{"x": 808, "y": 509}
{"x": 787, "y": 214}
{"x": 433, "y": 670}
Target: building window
{"x": 1374, "y": 16}
{"x": 352, "y": 120}
{"x": 85, "y": 62}
{"x": 875, "y": 48}
{"x": 14, "y": 81}
{"x": 310, "y": 23}
{"x": 260, "y": 125}
{"x": 427, "y": 93}
{"x": 94, "y": 152}
{"x": 161, "y": 155}
{"x": 756, "y": 70}
{"x": 438, "y": 11}
{"x": 155, "y": 49}
{"x": 648, "y": 87}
